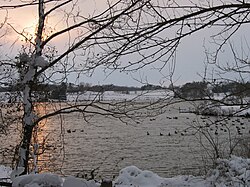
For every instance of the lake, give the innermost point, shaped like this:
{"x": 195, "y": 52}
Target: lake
{"x": 168, "y": 144}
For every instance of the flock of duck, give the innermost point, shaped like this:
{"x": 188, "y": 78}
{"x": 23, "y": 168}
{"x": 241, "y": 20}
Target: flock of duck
{"x": 74, "y": 130}
{"x": 169, "y": 134}
{"x": 218, "y": 125}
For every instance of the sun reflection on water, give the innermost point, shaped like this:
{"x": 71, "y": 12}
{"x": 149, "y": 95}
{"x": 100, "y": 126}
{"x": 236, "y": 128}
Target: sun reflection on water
{"x": 44, "y": 144}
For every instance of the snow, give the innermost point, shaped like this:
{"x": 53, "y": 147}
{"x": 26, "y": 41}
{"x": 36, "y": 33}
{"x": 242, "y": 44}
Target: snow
{"x": 232, "y": 172}
{"x": 24, "y": 58}
{"x": 132, "y": 176}
{"x": 41, "y": 62}
{"x": 29, "y": 75}
{"x": 35, "y": 180}
{"x": 16, "y": 173}
{"x": 72, "y": 181}
{"x": 151, "y": 95}
{"x": 5, "y": 172}
{"x": 235, "y": 110}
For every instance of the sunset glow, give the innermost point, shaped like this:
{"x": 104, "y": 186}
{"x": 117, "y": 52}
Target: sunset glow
{"x": 30, "y": 32}
{"x": 41, "y": 136}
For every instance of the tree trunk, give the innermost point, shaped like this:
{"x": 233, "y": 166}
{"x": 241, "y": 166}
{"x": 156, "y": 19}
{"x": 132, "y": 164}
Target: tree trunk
{"x": 28, "y": 125}
{"x": 25, "y": 148}
{"x": 29, "y": 81}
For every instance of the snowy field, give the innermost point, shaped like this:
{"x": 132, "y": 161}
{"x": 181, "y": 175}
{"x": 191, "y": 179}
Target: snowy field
{"x": 150, "y": 95}
{"x": 234, "y": 172}
{"x": 146, "y": 95}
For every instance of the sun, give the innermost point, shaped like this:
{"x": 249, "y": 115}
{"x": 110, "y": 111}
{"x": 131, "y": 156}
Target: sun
{"x": 29, "y": 31}
{"x": 23, "y": 25}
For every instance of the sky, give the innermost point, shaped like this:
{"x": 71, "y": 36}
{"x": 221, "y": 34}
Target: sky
{"x": 190, "y": 56}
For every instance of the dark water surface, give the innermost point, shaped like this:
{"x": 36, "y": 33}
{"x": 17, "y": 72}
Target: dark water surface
{"x": 166, "y": 144}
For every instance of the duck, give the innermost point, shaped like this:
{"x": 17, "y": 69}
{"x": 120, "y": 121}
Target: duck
{"x": 68, "y": 131}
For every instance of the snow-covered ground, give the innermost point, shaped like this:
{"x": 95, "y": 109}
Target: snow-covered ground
{"x": 235, "y": 110}
{"x": 106, "y": 96}
{"x": 146, "y": 95}
{"x": 223, "y": 110}
{"x": 233, "y": 172}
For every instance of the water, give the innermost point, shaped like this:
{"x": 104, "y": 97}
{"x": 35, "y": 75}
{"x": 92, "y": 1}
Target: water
{"x": 165, "y": 144}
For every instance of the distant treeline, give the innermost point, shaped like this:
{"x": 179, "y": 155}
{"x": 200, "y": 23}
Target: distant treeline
{"x": 99, "y": 88}
{"x": 44, "y": 92}
{"x": 189, "y": 90}
{"x": 110, "y": 87}
{"x": 71, "y": 88}
{"x": 206, "y": 89}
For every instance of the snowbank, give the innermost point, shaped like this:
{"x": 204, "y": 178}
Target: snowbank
{"x": 234, "y": 110}
{"x": 226, "y": 111}
{"x": 132, "y": 176}
{"x": 233, "y": 172}
{"x": 37, "y": 180}
{"x": 5, "y": 172}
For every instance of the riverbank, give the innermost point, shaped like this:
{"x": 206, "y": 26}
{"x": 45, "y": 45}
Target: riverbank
{"x": 233, "y": 172}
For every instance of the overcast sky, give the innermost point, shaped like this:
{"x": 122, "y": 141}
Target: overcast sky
{"x": 190, "y": 55}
